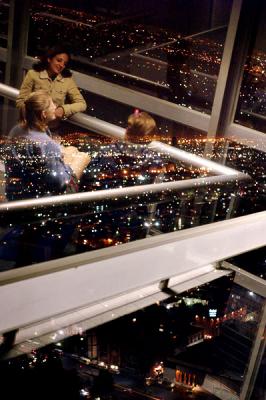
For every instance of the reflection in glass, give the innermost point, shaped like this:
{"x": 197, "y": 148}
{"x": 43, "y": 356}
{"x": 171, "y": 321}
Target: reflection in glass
{"x": 237, "y": 333}
{"x": 2, "y": 72}
{"x": 117, "y": 113}
{"x": 252, "y": 100}
{"x": 70, "y": 229}
{"x": 4, "y": 14}
{"x": 56, "y": 232}
{"x": 252, "y": 261}
{"x": 260, "y": 384}
{"x": 51, "y": 232}
{"x": 168, "y": 50}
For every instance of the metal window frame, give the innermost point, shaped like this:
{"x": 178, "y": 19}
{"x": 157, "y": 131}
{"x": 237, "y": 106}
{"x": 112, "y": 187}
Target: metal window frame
{"x": 257, "y": 352}
{"x": 3, "y": 54}
{"x": 256, "y": 285}
{"x": 247, "y": 280}
{"x": 238, "y": 38}
{"x": 223, "y": 76}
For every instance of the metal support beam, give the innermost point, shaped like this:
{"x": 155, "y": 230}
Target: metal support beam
{"x": 62, "y": 326}
{"x": 18, "y": 24}
{"x": 258, "y": 286}
{"x": 89, "y": 278}
{"x": 246, "y": 279}
{"x": 223, "y": 77}
{"x": 18, "y": 28}
{"x": 255, "y": 358}
{"x": 239, "y": 36}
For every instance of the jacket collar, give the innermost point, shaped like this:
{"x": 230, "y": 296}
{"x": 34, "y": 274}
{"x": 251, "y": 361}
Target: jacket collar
{"x": 44, "y": 75}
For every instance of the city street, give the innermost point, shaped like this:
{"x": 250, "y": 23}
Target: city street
{"x": 128, "y": 387}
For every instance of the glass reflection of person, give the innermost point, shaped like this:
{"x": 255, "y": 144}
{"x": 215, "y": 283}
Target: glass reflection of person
{"x": 178, "y": 71}
{"x": 35, "y": 167}
{"x": 51, "y": 74}
{"x": 141, "y": 129}
{"x": 122, "y": 164}
{"x": 35, "y": 164}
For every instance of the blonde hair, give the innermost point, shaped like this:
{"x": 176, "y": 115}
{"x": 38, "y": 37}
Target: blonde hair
{"x": 31, "y": 112}
{"x": 140, "y": 124}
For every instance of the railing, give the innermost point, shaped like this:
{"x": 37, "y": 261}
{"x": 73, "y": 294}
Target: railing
{"x": 225, "y": 174}
{"x": 95, "y": 285}
{"x": 88, "y": 289}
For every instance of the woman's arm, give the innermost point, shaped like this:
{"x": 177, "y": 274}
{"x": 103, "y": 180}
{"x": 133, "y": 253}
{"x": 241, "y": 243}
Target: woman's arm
{"x": 25, "y": 89}
{"x": 77, "y": 102}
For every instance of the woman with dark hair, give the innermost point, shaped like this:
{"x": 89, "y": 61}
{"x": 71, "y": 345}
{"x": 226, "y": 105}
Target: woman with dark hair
{"x": 51, "y": 74}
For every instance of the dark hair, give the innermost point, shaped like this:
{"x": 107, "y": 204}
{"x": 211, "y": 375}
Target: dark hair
{"x": 50, "y": 53}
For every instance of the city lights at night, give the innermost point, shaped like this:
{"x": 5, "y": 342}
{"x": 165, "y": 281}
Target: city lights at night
{"x": 132, "y": 199}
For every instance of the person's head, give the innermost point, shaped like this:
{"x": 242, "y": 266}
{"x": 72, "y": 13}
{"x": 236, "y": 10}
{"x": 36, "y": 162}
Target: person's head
{"x": 141, "y": 127}
{"x": 55, "y": 61}
{"x": 38, "y": 110}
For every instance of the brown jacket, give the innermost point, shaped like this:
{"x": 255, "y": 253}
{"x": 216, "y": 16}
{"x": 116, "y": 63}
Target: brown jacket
{"x": 60, "y": 89}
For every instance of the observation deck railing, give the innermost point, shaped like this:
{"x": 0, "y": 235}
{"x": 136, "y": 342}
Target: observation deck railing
{"x": 222, "y": 173}
{"x": 100, "y": 285}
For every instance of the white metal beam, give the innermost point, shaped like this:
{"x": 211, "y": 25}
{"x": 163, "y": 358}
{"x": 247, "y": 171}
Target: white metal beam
{"x": 224, "y": 69}
{"x": 246, "y": 136}
{"x": 246, "y": 279}
{"x": 62, "y": 326}
{"x": 90, "y": 278}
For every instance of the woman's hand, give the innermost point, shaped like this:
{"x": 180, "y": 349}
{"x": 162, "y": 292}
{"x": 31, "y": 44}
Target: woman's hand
{"x": 79, "y": 163}
{"x": 69, "y": 153}
{"x": 76, "y": 159}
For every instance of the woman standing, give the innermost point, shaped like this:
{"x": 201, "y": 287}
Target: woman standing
{"x": 51, "y": 74}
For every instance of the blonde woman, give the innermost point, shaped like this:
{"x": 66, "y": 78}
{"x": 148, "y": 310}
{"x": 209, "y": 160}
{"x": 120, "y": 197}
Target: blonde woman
{"x": 110, "y": 165}
{"x": 35, "y": 165}
{"x": 141, "y": 127}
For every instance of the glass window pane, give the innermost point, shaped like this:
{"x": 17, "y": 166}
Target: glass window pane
{"x": 252, "y": 261}
{"x": 252, "y": 100}
{"x": 165, "y": 49}
{"x": 69, "y": 230}
{"x": 117, "y": 113}
{"x": 194, "y": 344}
{"x": 154, "y": 214}
{"x": 260, "y": 384}
{"x": 74, "y": 228}
{"x": 251, "y": 196}
{"x": 4, "y": 14}
{"x": 237, "y": 333}
{"x": 2, "y": 71}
